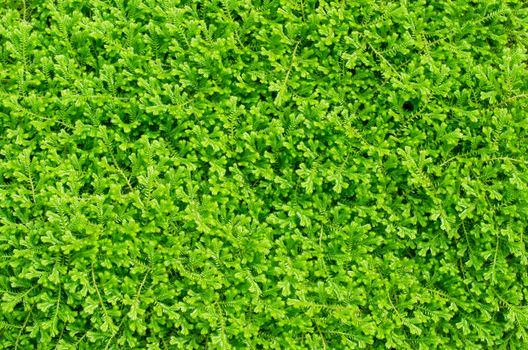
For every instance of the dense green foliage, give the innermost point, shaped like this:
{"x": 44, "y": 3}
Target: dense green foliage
{"x": 263, "y": 174}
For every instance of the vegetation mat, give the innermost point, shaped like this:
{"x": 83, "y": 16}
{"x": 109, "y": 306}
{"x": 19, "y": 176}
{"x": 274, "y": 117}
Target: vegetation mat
{"x": 236, "y": 174}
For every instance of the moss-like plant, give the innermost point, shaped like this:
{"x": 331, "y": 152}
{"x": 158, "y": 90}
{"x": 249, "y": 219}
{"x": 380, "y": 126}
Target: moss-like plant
{"x": 298, "y": 174}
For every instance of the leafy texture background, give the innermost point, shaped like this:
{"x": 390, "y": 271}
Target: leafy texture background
{"x": 263, "y": 174}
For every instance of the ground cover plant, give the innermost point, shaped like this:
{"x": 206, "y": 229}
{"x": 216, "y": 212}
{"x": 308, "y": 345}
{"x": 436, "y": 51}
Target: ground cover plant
{"x": 263, "y": 174}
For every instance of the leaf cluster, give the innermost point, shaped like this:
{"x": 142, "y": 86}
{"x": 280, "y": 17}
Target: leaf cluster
{"x": 235, "y": 174}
